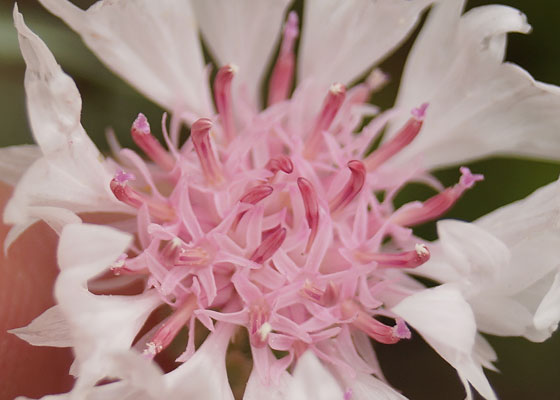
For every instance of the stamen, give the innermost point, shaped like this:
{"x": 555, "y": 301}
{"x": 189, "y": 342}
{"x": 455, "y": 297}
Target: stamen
{"x": 331, "y": 105}
{"x": 127, "y": 195}
{"x": 264, "y": 330}
{"x": 222, "y": 95}
{"x": 325, "y": 298}
{"x": 192, "y": 257}
{"x": 171, "y": 250}
{"x": 167, "y": 332}
{"x": 280, "y": 163}
{"x": 372, "y": 327}
{"x": 282, "y": 76}
{"x": 142, "y": 136}
{"x": 200, "y": 134}
{"x": 399, "y": 141}
{"x": 272, "y": 240}
{"x": 352, "y": 188}
{"x": 259, "y": 327}
{"x": 118, "y": 266}
{"x": 439, "y": 204}
{"x": 407, "y": 259}
{"x": 311, "y": 205}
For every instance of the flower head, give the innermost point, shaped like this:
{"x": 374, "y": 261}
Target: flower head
{"x": 268, "y": 220}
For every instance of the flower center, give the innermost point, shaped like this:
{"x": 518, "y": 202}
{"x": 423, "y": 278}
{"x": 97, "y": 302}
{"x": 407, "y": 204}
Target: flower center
{"x": 274, "y": 229}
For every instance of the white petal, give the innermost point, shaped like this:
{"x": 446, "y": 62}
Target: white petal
{"x": 484, "y": 353}
{"x": 55, "y": 217}
{"x": 312, "y": 381}
{"x": 445, "y": 320}
{"x": 53, "y": 101}
{"x": 14, "y": 160}
{"x": 90, "y": 249}
{"x": 342, "y": 39}
{"x": 72, "y": 174}
{"x": 466, "y": 254}
{"x": 255, "y": 390}
{"x": 151, "y": 44}
{"x": 527, "y": 217}
{"x": 500, "y": 315}
{"x": 204, "y": 375}
{"x": 531, "y": 260}
{"x": 100, "y": 324}
{"x": 368, "y": 387}
{"x": 504, "y": 286}
{"x": 139, "y": 379}
{"x": 15, "y": 232}
{"x": 441, "y": 315}
{"x": 478, "y": 104}
{"x": 471, "y": 371}
{"x": 50, "y": 185}
{"x": 548, "y": 314}
{"x": 48, "y": 329}
{"x": 243, "y": 33}
{"x": 471, "y": 251}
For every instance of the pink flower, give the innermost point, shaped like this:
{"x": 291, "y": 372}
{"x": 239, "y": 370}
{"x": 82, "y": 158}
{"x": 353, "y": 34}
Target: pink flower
{"x": 266, "y": 219}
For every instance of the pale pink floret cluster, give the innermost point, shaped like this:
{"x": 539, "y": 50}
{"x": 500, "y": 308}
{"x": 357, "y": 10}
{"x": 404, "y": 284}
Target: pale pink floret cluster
{"x": 275, "y": 232}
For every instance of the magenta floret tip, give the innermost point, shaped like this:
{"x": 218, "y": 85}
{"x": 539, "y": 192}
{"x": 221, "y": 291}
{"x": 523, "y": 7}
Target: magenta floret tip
{"x": 468, "y": 179}
{"x": 292, "y": 25}
{"x": 401, "y": 331}
{"x": 420, "y": 112}
{"x": 141, "y": 124}
{"x": 123, "y": 177}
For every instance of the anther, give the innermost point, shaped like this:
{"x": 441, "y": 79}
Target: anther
{"x": 311, "y": 205}
{"x": 352, "y": 187}
{"x": 283, "y": 73}
{"x": 272, "y": 240}
{"x": 402, "y": 139}
{"x": 192, "y": 257}
{"x": 171, "y": 250}
{"x": 222, "y": 95}
{"x": 142, "y": 136}
{"x": 200, "y": 134}
{"x": 330, "y": 108}
{"x": 118, "y": 266}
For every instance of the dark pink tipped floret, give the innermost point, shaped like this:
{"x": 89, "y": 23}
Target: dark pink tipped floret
{"x": 352, "y": 187}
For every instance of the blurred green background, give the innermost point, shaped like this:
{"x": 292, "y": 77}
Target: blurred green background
{"x": 528, "y": 370}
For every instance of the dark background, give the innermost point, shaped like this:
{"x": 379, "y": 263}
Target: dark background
{"x": 528, "y": 370}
